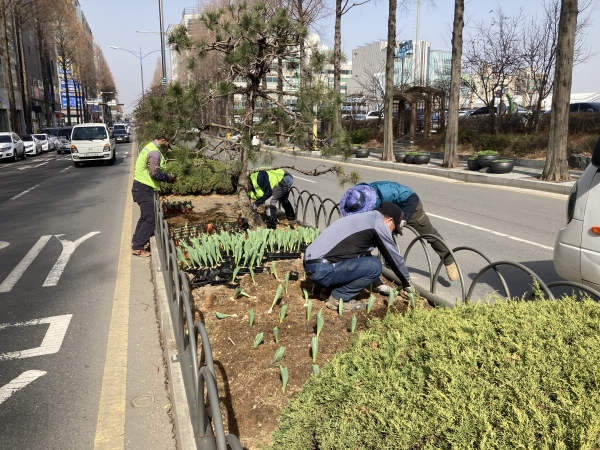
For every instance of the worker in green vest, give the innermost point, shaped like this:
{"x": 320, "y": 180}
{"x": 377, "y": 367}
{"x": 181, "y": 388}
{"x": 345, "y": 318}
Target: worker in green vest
{"x": 274, "y": 184}
{"x": 149, "y": 172}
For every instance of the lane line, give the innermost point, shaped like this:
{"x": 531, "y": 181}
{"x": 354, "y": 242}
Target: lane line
{"x": 42, "y": 164}
{"x": 514, "y": 238}
{"x": 110, "y": 428}
{"x": 24, "y": 192}
{"x": 19, "y": 383}
{"x": 66, "y": 168}
{"x": 3, "y": 244}
{"x": 300, "y": 178}
{"x": 52, "y": 340}
{"x": 18, "y": 271}
{"x": 68, "y": 247}
{"x": 25, "y": 167}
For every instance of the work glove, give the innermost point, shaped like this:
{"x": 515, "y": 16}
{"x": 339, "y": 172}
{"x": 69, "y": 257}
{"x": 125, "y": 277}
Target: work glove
{"x": 402, "y": 223}
{"x": 254, "y": 206}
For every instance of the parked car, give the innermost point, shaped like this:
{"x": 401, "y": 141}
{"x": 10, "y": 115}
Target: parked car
{"x": 585, "y": 107}
{"x": 11, "y": 146}
{"x": 53, "y": 135}
{"x": 92, "y": 142}
{"x": 47, "y": 143}
{"x": 121, "y": 135}
{"x": 374, "y": 115}
{"x": 486, "y": 110}
{"x": 32, "y": 145}
{"x": 577, "y": 247}
{"x": 64, "y": 136}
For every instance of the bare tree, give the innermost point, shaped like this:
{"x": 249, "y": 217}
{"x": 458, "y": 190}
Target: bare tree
{"x": 388, "y": 109}
{"x": 492, "y": 58}
{"x": 372, "y": 88}
{"x": 451, "y": 144}
{"x": 6, "y": 22}
{"x": 556, "y": 168}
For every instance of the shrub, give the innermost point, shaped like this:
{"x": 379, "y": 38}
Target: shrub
{"x": 487, "y": 153}
{"x": 505, "y": 376}
{"x": 473, "y": 158}
{"x": 359, "y": 136}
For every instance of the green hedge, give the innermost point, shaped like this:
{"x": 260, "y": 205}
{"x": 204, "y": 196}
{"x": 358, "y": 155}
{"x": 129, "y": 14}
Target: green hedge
{"x": 513, "y": 375}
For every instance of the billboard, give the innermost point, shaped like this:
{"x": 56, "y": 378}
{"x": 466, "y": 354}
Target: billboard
{"x": 71, "y": 83}
{"x": 73, "y": 101}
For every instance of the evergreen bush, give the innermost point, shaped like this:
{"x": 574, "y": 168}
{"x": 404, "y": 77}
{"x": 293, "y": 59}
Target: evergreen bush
{"x": 504, "y": 376}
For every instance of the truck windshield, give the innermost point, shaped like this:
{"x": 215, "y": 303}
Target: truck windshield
{"x": 88, "y": 133}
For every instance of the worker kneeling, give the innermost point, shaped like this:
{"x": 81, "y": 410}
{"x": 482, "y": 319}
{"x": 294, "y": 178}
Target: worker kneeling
{"x": 274, "y": 184}
{"x": 340, "y": 258}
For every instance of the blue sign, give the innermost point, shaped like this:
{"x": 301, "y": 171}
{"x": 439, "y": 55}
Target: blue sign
{"x": 72, "y": 85}
{"x": 73, "y": 101}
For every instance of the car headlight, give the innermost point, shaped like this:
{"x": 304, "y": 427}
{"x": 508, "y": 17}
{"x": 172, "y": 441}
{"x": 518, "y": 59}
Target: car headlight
{"x": 74, "y": 149}
{"x": 107, "y": 147}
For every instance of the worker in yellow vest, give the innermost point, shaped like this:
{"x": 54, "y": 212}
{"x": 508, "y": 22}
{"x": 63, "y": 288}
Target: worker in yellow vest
{"x": 274, "y": 184}
{"x": 149, "y": 172}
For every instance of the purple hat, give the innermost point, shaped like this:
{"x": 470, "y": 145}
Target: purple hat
{"x": 358, "y": 199}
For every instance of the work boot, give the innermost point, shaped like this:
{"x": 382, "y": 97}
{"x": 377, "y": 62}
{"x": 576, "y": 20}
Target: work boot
{"x": 452, "y": 272}
{"x": 350, "y": 305}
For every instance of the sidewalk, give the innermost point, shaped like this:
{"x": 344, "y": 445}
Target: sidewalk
{"x": 521, "y": 177}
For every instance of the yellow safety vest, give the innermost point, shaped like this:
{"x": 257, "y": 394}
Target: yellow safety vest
{"x": 142, "y": 174}
{"x": 275, "y": 177}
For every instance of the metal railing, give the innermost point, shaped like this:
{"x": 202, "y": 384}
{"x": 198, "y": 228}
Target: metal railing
{"x": 198, "y": 370}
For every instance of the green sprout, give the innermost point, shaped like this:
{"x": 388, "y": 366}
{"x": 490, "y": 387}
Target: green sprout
{"x": 258, "y": 339}
{"x": 276, "y": 334}
{"x": 315, "y": 348}
{"x": 391, "y": 298}
{"x": 316, "y": 369}
{"x": 353, "y": 325}
{"x": 287, "y": 281}
{"x": 252, "y": 275}
{"x": 305, "y": 292}
{"x": 274, "y": 270}
{"x": 308, "y": 309}
{"x": 282, "y": 313}
{"x": 238, "y": 292}
{"x": 320, "y": 322}
{"x": 340, "y": 306}
{"x": 251, "y": 316}
{"x": 370, "y": 303}
{"x": 284, "y": 377}
{"x": 277, "y": 295}
{"x": 278, "y": 355}
{"x": 222, "y": 316}
{"x": 235, "y": 272}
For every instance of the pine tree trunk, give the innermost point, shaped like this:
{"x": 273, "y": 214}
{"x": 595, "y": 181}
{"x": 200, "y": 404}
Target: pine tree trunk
{"x": 337, "y": 60}
{"x": 23, "y": 75}
{"x": 388, "y": 110}
{"x": 451, "y": 144}
{"x": 556, "y": 168}
{"x": 280, "y": 96}
{"x": 10, "y": 86}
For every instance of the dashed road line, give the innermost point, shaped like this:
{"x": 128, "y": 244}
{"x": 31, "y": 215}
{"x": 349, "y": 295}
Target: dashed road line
{"x": 18, "y": 271}
{"x": 66, "y": 168}
{"x": 24, "y": 192}
{"x": 300, "y": 178}
{"x": 514, "y": 238}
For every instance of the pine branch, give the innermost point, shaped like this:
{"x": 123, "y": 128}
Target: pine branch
{"x": 314, "y": 173}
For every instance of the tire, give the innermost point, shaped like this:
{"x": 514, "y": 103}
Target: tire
{"x": 24, "y": 155}
{"x": 77, "y": 164}
{"x": 112, "y": 160}
{"x": 15, "y": 158}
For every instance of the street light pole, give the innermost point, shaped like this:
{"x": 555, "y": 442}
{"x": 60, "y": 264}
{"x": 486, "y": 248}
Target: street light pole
{"x": 162, "y": 40}
{"x": 141, "y": 58}
{"x": 142, "y": 73}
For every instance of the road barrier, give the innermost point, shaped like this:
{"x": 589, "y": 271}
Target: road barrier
{"x": 198, "y": 370}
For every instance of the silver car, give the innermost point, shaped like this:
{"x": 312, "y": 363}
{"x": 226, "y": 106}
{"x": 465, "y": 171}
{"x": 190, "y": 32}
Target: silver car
{"x": 47, "y": 143}
{"x": 32, "y": 145}
{"x": 11, "y": 146}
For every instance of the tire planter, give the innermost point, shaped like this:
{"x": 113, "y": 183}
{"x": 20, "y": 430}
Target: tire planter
{"x": 362, "y": 153}
{"x": 473, "y": 164}
{"x": 421, "y": 159}
{"x": 503, "y": 167}
{"x": 487, "y": 160}
{"x": 399, "y": 157}
{"x": 408, "y": 159}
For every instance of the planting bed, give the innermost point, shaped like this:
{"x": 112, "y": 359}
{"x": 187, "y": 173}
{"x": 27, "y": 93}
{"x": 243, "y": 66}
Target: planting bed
{"x": 250, "y": 386}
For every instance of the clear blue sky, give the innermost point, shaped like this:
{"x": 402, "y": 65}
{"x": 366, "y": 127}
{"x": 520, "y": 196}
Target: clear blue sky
{"x": 116, "y": 22}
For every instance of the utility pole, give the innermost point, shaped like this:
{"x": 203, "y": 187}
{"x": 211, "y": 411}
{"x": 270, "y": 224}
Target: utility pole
{"x": 162, "y": 42}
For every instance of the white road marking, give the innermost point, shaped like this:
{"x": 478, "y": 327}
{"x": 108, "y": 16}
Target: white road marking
{"x": 51, "y": 342}
{"x": 24, "y": 192}
{"x": 300, "y": 178}
{"x": 25, "y": 167}
{"x": 492, "y": 231}
{"x": 19, "y": 383}
{"x": 68, "y": 249}
{"x": 3, "y": 244}
{"x": 18, "y": 271}
{"x": 42, "y": 164}
{"x": 66, "y": 168}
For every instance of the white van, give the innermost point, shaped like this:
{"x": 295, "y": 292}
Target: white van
{"x": 92, "y": 142}
{"x": 577, "y": 248}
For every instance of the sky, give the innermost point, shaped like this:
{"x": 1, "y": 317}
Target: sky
{"x": 114, "y": 23}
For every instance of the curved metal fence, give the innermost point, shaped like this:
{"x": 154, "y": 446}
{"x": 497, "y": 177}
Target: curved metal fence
{"x": 198, "y": 370}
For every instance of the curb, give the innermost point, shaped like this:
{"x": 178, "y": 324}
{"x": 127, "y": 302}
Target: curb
{"x": 467, "y": 177}
{"x": 181, "y": 416}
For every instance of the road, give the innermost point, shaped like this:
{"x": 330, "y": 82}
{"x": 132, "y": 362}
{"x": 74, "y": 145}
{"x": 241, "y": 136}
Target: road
{"x": 503, "y": 223}
{"x": 60, "y": 236}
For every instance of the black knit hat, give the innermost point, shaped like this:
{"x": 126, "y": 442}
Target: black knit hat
{"x": 395, "y": 212}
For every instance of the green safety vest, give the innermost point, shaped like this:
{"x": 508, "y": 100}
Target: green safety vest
{"x": 275, "y": 177}
{"x": 142, "y": 174}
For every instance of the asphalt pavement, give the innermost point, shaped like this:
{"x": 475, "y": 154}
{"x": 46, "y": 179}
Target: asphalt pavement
{"x": 60, "y": 239}
{"x": 501, "y": 222}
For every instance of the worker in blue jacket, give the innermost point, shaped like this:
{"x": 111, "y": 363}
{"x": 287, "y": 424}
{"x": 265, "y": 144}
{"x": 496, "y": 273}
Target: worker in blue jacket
{"x": 366, "y": 197}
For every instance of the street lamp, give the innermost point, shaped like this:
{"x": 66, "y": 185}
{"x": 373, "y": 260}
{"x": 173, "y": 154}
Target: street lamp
{"x": 140, "y": 57}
